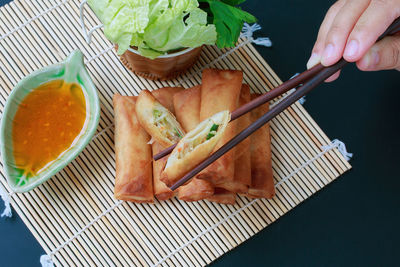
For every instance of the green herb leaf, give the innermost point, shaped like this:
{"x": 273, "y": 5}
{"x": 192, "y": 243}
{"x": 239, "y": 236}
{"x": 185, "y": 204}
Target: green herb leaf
{"x": 178, "y": 133}
{"x": 228, "y": 20}
{"x": 156, "y": 113}
{"x": 233, "y": 2}
{"x": 213, "y": 129}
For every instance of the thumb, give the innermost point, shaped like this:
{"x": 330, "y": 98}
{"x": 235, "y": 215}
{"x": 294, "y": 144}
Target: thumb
{"x": 384, "y": 55}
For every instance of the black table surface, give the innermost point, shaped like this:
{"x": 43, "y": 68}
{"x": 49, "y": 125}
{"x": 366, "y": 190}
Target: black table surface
{"x": 353, "y": 221}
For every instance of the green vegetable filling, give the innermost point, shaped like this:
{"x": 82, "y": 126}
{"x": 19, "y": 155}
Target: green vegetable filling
{"x": 213, "y": 131}
{"x": 178, "y": 133}
{"x": 156, "y": 113}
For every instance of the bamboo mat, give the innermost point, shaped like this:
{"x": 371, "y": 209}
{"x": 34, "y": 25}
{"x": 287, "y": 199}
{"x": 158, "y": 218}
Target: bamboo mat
{"x": 74, "y": 215}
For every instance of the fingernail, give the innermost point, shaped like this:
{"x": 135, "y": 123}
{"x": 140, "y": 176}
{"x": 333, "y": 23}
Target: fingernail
{"x": 370, "y": 60}
{"x": 351, "y": 49}
{"x": 314, "y": 60}
{"x": 375, "y": 58}
{"x": 328, "y": 53}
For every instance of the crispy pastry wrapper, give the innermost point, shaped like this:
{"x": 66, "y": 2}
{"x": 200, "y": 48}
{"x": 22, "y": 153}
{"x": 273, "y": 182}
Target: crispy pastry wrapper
{"x": 194, "y": 147}
{"x": 220, "y": 91}
{"x": 187, "y": 105}
{"x": 133, "y": 180}
{"x": 242, "y": 176}
{"x": 223, "y": 196}
{"x": 262, "y": 181}
{"x": 157, "y": 120}
{"x": 165, "y": 97}
{"x": 161, "y": 191}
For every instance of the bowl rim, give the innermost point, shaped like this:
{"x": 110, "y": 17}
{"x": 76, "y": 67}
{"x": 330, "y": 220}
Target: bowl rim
{"x": 179, "y": 53}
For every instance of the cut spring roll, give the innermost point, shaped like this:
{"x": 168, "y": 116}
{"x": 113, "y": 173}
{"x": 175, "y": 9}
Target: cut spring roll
{"x": 262, "y": 181}
{"x": 165, "y": 97}
{"x": 194, "y": 147}
{"x": 133, "y": 181}
{"x": 242, "y": 175}
{"x": 157, "y": 120}
{"x": 223, "y": 196}
{"x": 187, "y": 105}
{"x": 220, "y": 91}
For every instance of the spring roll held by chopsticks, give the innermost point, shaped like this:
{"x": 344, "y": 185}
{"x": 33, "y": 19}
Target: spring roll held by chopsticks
{"x": 262, "y": 181}
{"x": 187, "y": 105}
{"x": 133, "y": 180}
{"x": 165, "y": 97}
{"x": 242, "y": 176}
{"x": 194, "y": 147}
{"x": 157, "y": 120}
{"x": 220, "y": 90}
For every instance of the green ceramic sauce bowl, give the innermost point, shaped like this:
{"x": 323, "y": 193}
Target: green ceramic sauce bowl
{"x": 71, "y": 70}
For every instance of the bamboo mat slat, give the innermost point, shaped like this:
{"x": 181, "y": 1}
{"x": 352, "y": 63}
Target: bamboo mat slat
{"x": 34, "y": 34}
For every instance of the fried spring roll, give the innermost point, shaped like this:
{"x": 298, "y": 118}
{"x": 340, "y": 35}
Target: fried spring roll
{"x": 165, "y": 97}
{"x": 262, "y": 181}
{"x": 157, "y": 120}
{"x": 223, "y": 196}
{"x": 187, "y": 105}
{"x": 161, "y": 191}
{"x": 133, "y": 181}
{"x": 242, "y": 175}
{"x": 220, "y": 91}
{"x": 194, "y": 147}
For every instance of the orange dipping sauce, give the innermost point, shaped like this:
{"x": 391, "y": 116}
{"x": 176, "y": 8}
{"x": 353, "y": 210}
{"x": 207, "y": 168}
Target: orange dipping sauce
{"x": 46, "y": 124}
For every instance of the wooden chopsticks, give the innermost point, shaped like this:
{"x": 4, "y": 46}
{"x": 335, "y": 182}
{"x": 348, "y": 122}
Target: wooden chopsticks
{"x": 310, "y": 78}
{"x": 281, "y": 89}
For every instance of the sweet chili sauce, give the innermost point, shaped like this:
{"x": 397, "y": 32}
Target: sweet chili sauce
{"x": 47, "y": 122}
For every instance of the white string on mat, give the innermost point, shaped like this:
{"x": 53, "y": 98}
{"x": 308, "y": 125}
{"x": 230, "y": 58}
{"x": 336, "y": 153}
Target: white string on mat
{"x": 46, "y": 261}
{"x": 102, "y": 131}
{"x": 342, "y": 149}
{"x": 334, "y": 144}
{"x": 108, "y": 49}
{"x": 6, "y": 197}
{"x": 44, "y": 12}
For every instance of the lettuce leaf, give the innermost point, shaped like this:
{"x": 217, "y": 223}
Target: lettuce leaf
{"x": 155, "y": 27}
{"x": 171, "y": 32}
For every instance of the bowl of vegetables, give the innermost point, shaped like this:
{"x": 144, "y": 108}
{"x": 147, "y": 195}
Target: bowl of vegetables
{"x": 161, "y": 39}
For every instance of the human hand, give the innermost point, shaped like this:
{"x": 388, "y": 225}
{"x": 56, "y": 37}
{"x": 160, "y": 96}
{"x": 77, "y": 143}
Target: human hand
{"x": 350, "y": 30}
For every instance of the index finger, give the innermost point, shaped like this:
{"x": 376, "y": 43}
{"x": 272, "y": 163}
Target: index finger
{"x": 372, "y": 23}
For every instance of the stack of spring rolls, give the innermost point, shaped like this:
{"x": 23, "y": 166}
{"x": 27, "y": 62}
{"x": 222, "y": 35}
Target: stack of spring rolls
{"x": 197, "y": 119}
